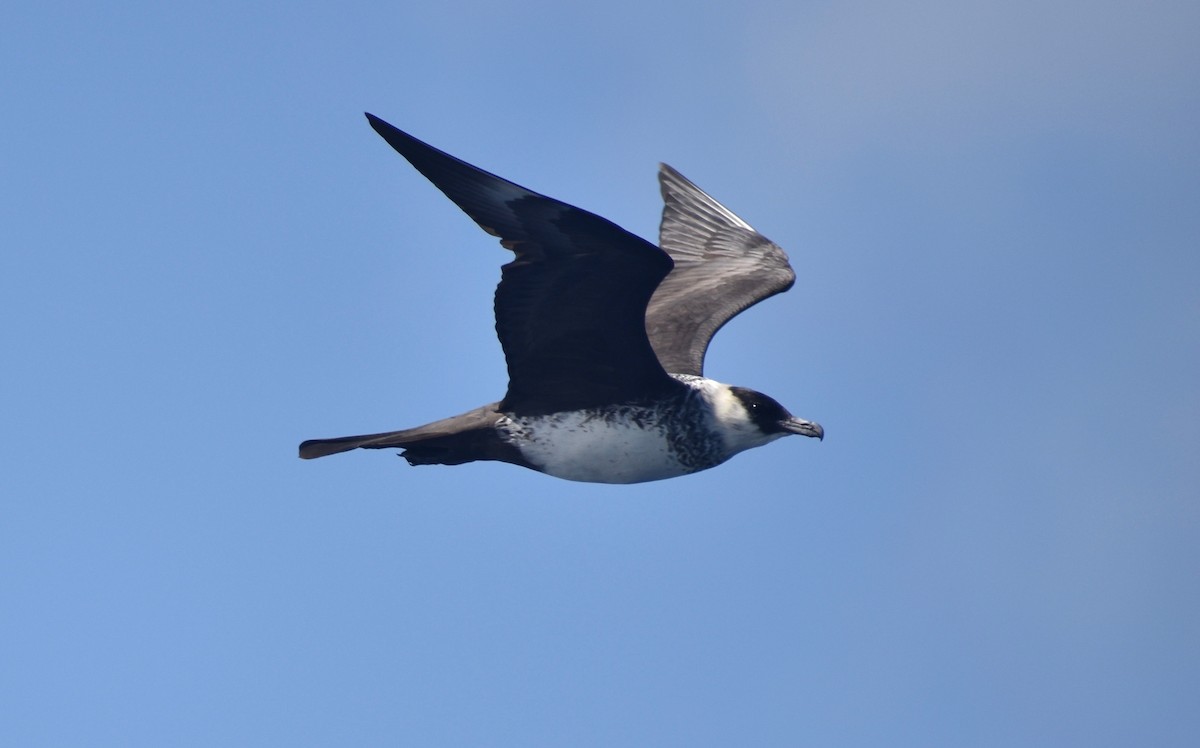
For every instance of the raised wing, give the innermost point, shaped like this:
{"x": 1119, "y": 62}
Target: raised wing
{"x": 570, "y": 308}
{"x": 722, "y": 266}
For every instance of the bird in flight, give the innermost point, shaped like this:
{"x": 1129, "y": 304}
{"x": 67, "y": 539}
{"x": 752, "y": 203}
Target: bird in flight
{"x": 604, "y": 335}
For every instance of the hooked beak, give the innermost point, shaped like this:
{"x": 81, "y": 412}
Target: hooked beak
{"x": 802, "y": 427}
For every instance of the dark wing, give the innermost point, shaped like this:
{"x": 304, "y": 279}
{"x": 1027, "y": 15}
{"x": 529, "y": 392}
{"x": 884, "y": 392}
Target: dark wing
{"x": 570, "y": 308}
{"x": 722, "y": 266}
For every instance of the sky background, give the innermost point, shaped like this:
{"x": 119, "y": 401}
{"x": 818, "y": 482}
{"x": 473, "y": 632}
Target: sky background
{"x": 207, "y": 256}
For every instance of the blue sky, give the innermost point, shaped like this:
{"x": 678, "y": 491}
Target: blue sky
{"x": 208, "y": 256}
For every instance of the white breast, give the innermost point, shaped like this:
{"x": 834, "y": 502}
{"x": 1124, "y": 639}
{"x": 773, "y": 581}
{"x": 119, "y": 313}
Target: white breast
{"x": 583, "y": 446}
{"x": 705, "y": 426}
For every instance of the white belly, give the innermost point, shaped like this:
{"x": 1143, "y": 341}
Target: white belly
{"x": 586, "y": 447}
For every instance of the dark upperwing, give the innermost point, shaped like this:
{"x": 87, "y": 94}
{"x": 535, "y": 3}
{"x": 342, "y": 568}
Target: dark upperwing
{"x": 570, "y": 307}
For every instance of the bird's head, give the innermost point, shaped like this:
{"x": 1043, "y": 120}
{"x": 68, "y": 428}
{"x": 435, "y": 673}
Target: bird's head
{"x": 766, "y": 420}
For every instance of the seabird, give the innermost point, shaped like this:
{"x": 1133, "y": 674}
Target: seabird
{"x": 604, "y": 335}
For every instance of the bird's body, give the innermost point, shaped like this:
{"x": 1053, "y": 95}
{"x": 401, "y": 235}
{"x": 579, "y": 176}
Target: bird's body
{"x": 699, "y": 427}
{"x": 591, "y": 319}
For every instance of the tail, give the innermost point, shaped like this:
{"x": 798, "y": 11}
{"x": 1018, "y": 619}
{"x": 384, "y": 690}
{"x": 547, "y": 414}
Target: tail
{"x": 320, "y": 447}
{"x": 452, "y": 441}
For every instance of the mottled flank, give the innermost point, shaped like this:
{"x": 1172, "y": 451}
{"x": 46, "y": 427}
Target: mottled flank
{"x": 628, "y": 443}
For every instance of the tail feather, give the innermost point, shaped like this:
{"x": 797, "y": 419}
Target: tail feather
{"x": 314, "y": 448}
{"x": 451, "y": 441}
